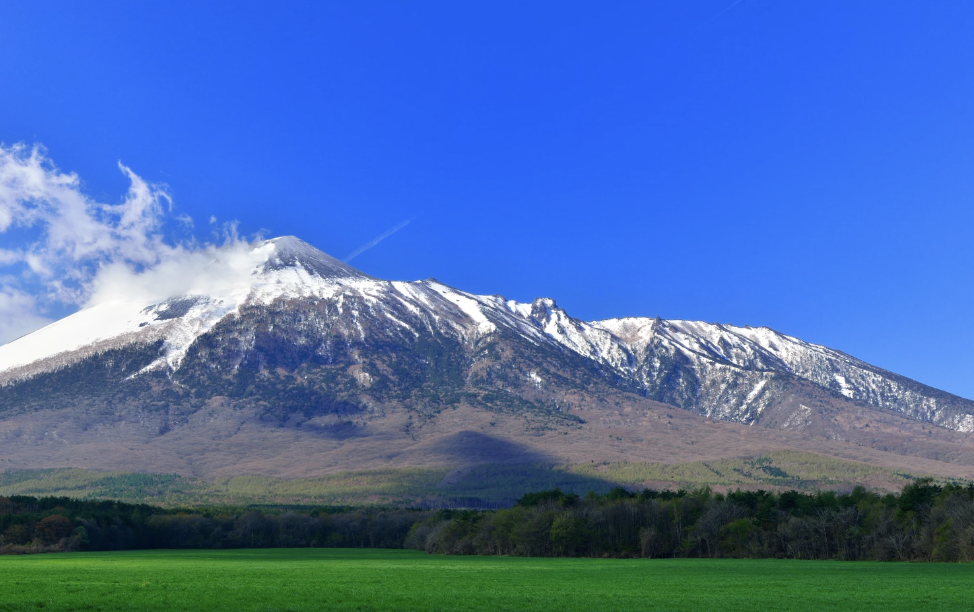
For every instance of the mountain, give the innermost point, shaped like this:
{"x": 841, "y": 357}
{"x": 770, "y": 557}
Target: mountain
{"x": 297, "y": 365}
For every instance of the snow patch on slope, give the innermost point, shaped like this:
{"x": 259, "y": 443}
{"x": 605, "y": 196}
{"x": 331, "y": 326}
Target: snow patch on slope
{"x": 468, "y": 304}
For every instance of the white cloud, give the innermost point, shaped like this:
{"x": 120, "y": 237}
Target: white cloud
{"x": 207, "y": 269}
{"x": 60, "y": 247}
{"x": 18, "y": 314}
{"x": 8, "y": 257}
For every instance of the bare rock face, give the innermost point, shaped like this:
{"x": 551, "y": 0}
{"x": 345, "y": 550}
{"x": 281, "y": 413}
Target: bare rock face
{"x": 299, "y": 364}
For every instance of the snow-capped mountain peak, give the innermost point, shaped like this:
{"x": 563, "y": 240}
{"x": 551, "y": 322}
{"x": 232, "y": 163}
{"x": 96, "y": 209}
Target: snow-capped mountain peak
{"x": 290, "y": 252}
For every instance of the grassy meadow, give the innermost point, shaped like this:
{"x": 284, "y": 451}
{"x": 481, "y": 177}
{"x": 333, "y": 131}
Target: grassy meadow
{"x": 493, "y": 482}
{"x": 344, "y": 579}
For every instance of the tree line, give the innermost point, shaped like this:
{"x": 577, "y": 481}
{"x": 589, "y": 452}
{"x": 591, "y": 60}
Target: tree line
{"x": 61, "y": 524}
{"x": 926, "y": 521}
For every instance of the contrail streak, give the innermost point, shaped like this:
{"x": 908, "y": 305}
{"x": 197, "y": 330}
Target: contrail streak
{"x": 715, "y": 17}
{"x": 371, "y": 243}
{"x": 725, "y": 10}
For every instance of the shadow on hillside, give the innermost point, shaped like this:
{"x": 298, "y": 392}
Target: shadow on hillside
{"x": 472, "y": 447}
{"x": 499, "y": 485}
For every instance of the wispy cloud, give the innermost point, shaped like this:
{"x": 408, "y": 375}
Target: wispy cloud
{"x": 371, "y": 243}
{"x": 61, "y": 248}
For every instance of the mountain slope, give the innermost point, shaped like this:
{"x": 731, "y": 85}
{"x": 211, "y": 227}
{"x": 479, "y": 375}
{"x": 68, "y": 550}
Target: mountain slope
{"x": 294, "y": 363}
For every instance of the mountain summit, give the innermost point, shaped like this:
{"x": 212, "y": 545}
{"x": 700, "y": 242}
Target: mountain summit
{"x": 280, "y": 359}
{"x": 292, "y": 252}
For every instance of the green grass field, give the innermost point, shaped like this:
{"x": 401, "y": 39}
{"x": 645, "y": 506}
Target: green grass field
{"x": 342, "y": 579}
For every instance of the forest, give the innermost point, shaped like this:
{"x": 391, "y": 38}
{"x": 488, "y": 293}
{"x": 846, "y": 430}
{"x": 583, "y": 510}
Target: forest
{"x": 61, "y": 524}
{"x": 926, "y": 521}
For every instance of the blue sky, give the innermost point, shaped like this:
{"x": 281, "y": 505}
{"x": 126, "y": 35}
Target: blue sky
{"x": 801, "y": 165}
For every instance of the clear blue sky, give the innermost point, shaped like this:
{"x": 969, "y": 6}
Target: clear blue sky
{"x": 801, "y": 165}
